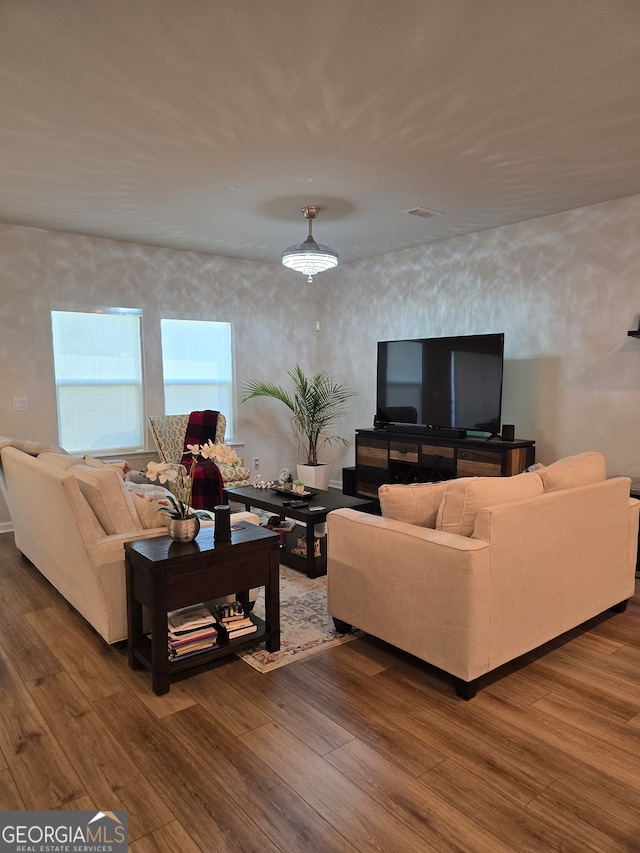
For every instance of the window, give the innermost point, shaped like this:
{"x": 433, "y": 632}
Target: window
{"x": 98, "y": 373}
{"x": 198, "y": 368}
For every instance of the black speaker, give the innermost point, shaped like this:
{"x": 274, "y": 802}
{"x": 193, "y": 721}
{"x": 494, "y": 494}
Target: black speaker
{"x": 349, "y": 482}
{"x": 222, "y": 523}
{"x": 508, "y": 432}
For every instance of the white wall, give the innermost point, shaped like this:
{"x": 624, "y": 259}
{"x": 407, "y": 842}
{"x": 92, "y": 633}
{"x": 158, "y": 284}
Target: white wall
{"x": 565, "y": 289}
{"x": 271, "y": 309}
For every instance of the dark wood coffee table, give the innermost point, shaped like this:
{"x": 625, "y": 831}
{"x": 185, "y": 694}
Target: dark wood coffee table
{"x": 164, "y": 575}
{"x": 274, "y": 502}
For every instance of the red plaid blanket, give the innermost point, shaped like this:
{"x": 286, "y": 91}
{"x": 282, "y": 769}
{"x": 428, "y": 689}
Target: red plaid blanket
{"x": 207, "y": 480}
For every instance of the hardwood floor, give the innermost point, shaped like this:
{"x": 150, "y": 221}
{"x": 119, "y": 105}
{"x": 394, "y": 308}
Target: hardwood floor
{"x": 358, "y": 748}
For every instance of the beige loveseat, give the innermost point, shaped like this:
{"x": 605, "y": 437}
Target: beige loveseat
{"x": 71, "y": 521}
{"x": 471, "y": 573}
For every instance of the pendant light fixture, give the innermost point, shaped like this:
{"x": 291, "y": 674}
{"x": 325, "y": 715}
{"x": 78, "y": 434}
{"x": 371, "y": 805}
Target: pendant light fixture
{"x": 310, "y": 257}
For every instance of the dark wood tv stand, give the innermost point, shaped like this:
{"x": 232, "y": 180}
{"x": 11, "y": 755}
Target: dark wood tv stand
{"x": 385, "y": 456}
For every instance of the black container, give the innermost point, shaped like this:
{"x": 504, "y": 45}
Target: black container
{"x": 222, "y": 529}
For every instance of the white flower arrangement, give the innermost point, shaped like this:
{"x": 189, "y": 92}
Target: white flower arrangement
{"x": 181, "y": 479}
{"x": 220, "y": 453}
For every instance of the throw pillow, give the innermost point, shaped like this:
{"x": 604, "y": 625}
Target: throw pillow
{"x": 137, "y": 477}
{"x": 148, "y": 501}
{"x": 572, "y": 471}
{"x": 92, "y": 462}
{"x": 104, "y": 490}
{"x": 59, "y": 460}
{"x": 465, "y": 497}
{"x": 120, "y": 464}
{"x": 416, "y": 503}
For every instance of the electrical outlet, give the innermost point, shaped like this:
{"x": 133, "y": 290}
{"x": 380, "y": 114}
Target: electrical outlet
{"x": 256, "y": 463}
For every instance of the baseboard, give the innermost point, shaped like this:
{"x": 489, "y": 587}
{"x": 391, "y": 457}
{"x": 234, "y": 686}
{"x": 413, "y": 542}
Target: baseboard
{"x": 6, "y": 527}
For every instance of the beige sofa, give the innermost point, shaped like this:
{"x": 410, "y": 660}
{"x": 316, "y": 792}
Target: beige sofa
{"x": 71, "y": 520}
{"x": 471, "y": 573}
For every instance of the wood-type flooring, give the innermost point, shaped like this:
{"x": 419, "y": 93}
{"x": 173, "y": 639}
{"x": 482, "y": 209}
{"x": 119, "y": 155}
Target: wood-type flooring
{"x": 360, "y": 748}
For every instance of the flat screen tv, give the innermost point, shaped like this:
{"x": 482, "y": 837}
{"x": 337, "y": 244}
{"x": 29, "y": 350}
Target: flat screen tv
{"x": 441, "y": 383}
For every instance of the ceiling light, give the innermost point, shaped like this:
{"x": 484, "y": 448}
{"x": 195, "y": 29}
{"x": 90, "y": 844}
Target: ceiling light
{"x": 310, "y": 257}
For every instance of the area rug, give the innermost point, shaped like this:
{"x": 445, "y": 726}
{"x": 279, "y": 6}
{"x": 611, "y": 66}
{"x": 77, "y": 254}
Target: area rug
{"x": 305, "y": 626}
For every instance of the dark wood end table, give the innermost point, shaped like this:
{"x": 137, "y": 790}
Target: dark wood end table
{"x": 163, "y": 575}
{"x": 274, "y": 502}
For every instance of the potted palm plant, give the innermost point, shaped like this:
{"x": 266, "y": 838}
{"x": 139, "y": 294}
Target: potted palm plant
{"x": 316, "y": 403}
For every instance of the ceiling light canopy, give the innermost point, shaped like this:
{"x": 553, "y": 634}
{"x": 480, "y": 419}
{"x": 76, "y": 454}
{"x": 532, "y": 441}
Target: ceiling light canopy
{"x": 310, "y": 257}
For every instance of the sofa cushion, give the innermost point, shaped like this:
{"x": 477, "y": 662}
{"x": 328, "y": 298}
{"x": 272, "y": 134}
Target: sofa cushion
{"x": 571, "y": 471}
{"x": 59, "y": 460}
{"x": 416, "y": 503}
{"x": 105, "y": 493}
{"x": 33, "y": 448}
{"x": 464, "y": 498}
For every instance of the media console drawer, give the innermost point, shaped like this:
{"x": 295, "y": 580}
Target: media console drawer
{"x": 373, "y": 453}
{"x": 438, "y": 451}
{"x": 403, "y": 451}
{"x": 478, "y": 463}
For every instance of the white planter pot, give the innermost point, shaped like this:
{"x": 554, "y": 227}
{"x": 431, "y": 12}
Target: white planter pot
{"x": 315, "y": 476}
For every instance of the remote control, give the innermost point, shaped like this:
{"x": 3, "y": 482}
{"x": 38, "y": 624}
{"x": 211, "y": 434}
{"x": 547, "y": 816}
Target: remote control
{"x": 316, "y": 508}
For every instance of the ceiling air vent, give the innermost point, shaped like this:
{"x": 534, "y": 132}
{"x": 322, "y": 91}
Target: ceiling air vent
{"x": 423, "y": 211}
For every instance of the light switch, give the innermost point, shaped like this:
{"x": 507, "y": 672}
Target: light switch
{"x": 20, "y": 404}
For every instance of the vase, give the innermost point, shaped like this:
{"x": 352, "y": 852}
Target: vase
{"x": 315, "y": 476}
{"x": 183, "y": 529}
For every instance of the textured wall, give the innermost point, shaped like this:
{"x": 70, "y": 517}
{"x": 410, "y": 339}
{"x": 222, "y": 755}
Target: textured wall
{"x": 564, "y": 289}
{"x": 272, "y": 311}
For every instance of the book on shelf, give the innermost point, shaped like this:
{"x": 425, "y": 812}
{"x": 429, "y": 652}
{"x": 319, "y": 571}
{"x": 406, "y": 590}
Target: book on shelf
{"x": 191, "y": 630}
{"x": 188, "y": 651}
{"x": 190, "y": 619}
{"x": 192, "y": 647}
{"x": 248, "y": 629}
{"x": 175, "y": 642}
{"x": 211, "y": 626}
{"x": 236, "y": 624}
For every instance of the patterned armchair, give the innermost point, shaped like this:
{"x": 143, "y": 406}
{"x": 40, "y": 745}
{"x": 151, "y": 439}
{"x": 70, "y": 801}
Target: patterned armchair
{"x": 169, "y": 432}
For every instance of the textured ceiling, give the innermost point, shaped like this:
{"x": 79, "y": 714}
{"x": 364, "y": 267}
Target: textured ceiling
{"x": 207, "y": 124}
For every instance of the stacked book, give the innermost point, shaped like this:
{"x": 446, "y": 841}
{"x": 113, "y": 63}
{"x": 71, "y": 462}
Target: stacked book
{"x": 191, "y": 630}
{"x": 232, "y": 619}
